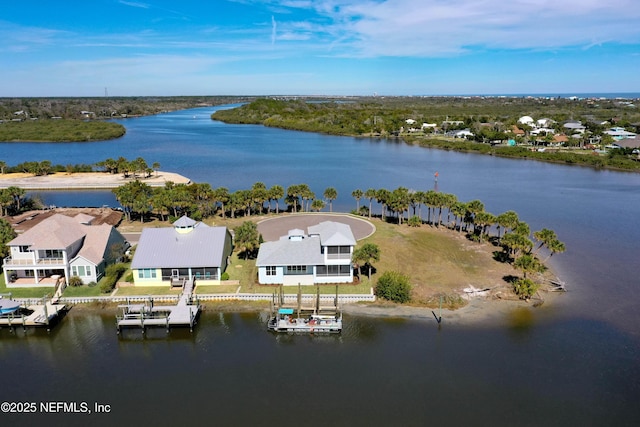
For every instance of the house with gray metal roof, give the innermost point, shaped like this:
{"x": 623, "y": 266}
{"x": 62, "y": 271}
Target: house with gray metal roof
{"x": 322, "y": 255}
{"x": 186, "y": 251}
{"x": 60, "y": 247}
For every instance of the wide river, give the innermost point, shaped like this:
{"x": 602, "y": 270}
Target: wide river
{"x": 573, "y": 362}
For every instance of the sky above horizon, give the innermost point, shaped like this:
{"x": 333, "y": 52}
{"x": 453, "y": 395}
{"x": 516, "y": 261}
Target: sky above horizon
{"x": 318, "y": 47}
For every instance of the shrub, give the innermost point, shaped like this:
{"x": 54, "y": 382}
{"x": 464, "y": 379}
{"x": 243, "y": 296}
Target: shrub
{"x": 75, "y": 281}
{"x": 525, "y": 288}
{"x": 225, "y": 276}
{"x": 393, "y": 286}
{"x": 415, "y": 221}
{"x": 92, "y": 284}
{"x": 108, "y": 283}
{"x": 115, "y": 270}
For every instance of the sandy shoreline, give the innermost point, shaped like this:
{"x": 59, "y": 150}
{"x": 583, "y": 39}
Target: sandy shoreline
{"x": 481, "y": 311}
{"x": 84, "y": 180}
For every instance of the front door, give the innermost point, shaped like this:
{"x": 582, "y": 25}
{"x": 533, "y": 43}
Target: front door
{"x": 175, "y": 274}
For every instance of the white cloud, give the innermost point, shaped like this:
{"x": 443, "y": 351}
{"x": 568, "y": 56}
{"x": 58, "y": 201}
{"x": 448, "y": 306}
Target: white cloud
{"x": 434, "y": 27}
{"x": 134, "y": 4}
{"x": 274, "y": 27}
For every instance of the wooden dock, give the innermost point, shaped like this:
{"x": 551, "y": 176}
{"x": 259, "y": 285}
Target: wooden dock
{"x": 44, "y": 315}
{"x": 184, "y": 313}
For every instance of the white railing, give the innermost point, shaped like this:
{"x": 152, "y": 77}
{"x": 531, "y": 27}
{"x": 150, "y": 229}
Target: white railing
{"x": 41, "y": 261}
{"x": 292, "y": 298}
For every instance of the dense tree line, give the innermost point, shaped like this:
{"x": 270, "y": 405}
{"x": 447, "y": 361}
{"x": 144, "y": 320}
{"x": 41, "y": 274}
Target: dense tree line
{"x": 104, "y": 107}
{"x": 489, "y": 119}
{"x": 63, "y": 130}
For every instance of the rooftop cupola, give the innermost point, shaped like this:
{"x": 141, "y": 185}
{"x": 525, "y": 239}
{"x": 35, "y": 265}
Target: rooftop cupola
{"x": 184, "y": 225}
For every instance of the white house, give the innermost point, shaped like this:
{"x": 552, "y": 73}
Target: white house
{"x": 526, "y": 120}
{"x": 619, "y": 133}
{"x": 60, "y": 247}
{"x": 323, "y": 255}
{"x": 188, "y": 250}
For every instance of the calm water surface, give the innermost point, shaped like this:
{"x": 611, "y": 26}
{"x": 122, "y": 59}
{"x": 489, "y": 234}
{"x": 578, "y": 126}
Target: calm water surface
{"x": 576, "y": 362}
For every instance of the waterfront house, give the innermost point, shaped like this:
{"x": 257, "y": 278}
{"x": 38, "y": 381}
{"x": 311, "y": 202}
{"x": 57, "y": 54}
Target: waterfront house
{"x": 322, "y": 255}
{"x": 186, "y": 251}
{"x": 60, "y": 247}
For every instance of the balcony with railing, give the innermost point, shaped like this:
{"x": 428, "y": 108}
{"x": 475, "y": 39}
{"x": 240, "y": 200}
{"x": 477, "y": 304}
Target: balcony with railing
{"x": 28, "y": 262}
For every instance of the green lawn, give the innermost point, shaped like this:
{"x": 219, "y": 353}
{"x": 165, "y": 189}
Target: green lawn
{"x": 82, "y": 291}
{"x": 147, "y": 290}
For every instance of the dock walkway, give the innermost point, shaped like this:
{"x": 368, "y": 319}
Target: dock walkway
{"x": 40, "y": 315}
{"x": 184, "y": 313}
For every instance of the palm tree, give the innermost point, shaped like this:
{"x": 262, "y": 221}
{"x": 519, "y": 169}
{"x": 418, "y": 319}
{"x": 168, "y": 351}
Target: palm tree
{"x": 473, "y": 208}
{"x": 16, "y": 194}
{"x": 259, "y": 194}
{"x": 528, "y": 263}
{"x": 544, "y": 236}
{"x": 330, "y": 194}
{"x": 458, "y": 209}
{"x": 3, "y": 165}
{"x": 155, "y": 167}
{"x": 357, "y": 194}
{"x": 276, "y": 193}
{"x": 366, "y": 254}
{"x": 370, "y": 194}
{"x": 448, "y": 202}
{"x": 507, "y": 221}
{"x": 307, "y": 195}
{"x": 400, "y": 202}
{"x": 555, "y": 246}
{"x": 317, "y": 205}
{"x": 382, "y": 196}
{"x": 431, "y": 200}
{"x": 221, "y": 194}
{"x": 293, "y": 192}
{"x": 484, "y": 220}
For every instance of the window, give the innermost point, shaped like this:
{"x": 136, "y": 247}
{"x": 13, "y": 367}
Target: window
{"x": 297, "y": 269}
{"x": 147, "y": 273}
{"x": 333, "y": 270}
{"x": 271, "y": 270}
{"x": 338, "y": 252}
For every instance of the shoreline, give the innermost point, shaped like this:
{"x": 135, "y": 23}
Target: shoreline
{"x": 480, "y": 311}
{"x": 84, "y": 180}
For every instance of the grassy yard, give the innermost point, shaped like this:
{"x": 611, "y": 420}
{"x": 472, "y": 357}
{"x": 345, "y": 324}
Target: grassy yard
{"x": 437, "y": 260}
{"x": 147, "y": 290}
{"x": 38, "y": 292}
{"x": 82, "y": 291}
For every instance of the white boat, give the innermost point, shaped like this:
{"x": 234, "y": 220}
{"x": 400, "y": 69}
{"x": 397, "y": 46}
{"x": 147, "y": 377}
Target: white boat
{"x": 8, "y": 306}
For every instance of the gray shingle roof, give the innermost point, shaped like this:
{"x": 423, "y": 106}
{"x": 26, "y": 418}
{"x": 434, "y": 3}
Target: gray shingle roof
{"x": 290, "y": 252}
{"x": 333, "y": 233}
{"x": 167, "y": 248}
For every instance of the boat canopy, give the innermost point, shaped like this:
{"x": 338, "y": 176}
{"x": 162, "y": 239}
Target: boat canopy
{"x": 286, "y": 311}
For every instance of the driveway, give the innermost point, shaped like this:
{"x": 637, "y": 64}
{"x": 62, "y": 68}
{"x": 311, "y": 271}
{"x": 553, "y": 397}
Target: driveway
{"x": 273, "y": 228}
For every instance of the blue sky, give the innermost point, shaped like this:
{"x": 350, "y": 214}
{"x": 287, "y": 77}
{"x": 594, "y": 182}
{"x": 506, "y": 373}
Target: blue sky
{"x": 330, "y": 47}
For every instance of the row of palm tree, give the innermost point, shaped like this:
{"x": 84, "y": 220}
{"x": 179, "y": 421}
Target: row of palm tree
{"x": 201, "y": 200}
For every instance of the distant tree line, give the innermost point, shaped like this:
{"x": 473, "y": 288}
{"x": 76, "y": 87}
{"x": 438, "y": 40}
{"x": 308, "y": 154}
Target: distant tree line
{"x": 104, "y": 106}
{"x": 128, "y": 168}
